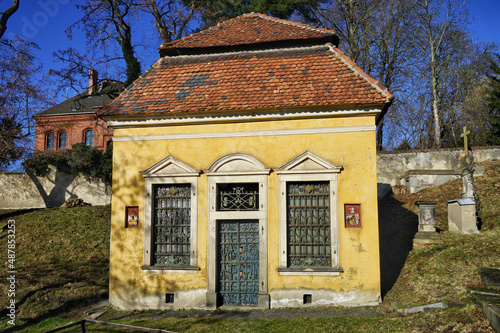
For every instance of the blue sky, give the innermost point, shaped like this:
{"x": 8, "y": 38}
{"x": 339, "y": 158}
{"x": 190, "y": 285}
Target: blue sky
{"x": 44, "y": 22}
{"x": 486, "y": 19}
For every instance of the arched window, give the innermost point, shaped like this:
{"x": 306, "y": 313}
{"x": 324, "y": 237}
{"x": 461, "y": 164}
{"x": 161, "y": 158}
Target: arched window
{"x": 62, "y": 140}
{"x": 50, "y": 140}
{"x": 89, "y": 138}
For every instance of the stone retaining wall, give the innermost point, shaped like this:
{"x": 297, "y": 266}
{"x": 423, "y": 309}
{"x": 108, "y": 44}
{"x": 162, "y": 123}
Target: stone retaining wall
{"x": 25, "y": 190}
{"x": 427, "y": 167}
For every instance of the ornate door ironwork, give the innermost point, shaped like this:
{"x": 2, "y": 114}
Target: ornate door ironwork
{"x": 238, "y": 264}
{"x": 238, "y": 197}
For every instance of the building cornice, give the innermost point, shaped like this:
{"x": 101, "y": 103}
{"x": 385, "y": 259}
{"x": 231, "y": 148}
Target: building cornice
{"x": 240, "y": 116}
{"x": 212, "y": 135}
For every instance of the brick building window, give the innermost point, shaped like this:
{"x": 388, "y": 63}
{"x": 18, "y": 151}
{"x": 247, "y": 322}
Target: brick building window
{"x": 62, "y": 140}
{"x": 50, "y": 140}
{"x": 89, "y": 138}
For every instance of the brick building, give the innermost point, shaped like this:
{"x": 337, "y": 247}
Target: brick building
{"x": 74, "y": 120}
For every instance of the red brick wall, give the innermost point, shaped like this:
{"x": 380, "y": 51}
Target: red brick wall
{"x": 75, "y": 126}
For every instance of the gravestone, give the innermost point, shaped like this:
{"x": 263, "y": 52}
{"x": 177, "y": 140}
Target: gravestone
{"x": 426, "y": 234}
{"x": 462, "y": 216}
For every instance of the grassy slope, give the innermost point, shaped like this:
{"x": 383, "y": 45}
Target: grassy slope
{"x": 443, "y": 272}
{"x": 62, "y": 263}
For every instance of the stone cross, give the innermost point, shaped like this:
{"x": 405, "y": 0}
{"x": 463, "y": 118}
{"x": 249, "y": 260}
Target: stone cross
{"x": 464, "y": 135}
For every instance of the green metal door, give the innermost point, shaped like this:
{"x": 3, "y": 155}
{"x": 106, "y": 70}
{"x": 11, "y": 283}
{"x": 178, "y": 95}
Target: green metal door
{"x": 238, "y": 264}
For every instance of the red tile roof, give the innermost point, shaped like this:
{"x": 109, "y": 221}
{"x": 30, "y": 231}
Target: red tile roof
{"x": 319, "y": 75}
{"x": 248, "y": 29}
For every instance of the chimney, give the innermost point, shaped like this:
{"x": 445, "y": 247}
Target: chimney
{"x": 92, "y": 81}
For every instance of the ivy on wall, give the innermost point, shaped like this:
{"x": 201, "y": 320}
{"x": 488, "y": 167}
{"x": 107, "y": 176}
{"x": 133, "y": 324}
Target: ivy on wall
{"x": 81, "y": 158}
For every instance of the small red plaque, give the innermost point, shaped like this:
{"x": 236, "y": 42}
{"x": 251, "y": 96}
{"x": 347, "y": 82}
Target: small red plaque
{"x": 352, "y": 213}
{"x": 132, "y": 217}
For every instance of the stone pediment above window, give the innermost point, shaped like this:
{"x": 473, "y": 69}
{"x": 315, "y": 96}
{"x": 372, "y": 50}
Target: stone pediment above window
{"x": 238, "y": 163}
{"x": 308, "y": 162}
{"x": 171, "y": 167}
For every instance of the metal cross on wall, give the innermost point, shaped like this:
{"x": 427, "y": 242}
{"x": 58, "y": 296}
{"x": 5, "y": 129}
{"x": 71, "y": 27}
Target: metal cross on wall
{"x": 464, "y": 135}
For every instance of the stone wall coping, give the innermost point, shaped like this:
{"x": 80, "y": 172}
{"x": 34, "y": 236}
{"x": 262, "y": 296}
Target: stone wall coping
{"x": 445, "y": 172}
{"x": 463, "y": 202}
{"x": 476, "y": 148}
{"x": 423, "y": 203}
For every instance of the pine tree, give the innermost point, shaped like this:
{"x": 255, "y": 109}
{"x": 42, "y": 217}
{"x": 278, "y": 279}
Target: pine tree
{"x": 494, "y": 102}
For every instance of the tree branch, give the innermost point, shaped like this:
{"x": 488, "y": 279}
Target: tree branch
{"x": 6, "y": 15}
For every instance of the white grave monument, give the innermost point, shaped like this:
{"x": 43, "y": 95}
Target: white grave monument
{"x": 462, "y": 216}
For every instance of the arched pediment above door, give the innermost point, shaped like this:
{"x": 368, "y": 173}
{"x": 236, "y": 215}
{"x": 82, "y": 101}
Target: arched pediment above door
{"x": 236, "y": 164}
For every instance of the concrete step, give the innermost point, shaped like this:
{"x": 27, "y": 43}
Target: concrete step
{"x": 490, "y": 276}
{"x": 488, "y": 298}
{"x": 97, "y": 310}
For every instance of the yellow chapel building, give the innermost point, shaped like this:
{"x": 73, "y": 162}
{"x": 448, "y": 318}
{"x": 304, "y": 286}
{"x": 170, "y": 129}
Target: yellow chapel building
{"x": 244, "y": 173}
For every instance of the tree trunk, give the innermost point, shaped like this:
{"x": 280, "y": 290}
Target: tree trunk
{"x": 6, "y": 15}
{"x": 437, "y": 122}
{"x": 133, "y": 65}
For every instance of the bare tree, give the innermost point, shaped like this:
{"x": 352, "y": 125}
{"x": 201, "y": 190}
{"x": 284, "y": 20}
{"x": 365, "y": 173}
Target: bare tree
{"x": 21, "y": 96}
{"x": 110, "y": 20}
{"x": 377, "y": 35}
{"x": 172, "y": 17}
{"x": 354, "y": 22}
{"x": 6, "y": 15}
{"x": 442, "y": 28}
{"x": 109, "y": 27}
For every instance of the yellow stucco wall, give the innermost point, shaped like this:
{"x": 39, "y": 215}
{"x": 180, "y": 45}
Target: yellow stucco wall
{"x": 355, "y": 151}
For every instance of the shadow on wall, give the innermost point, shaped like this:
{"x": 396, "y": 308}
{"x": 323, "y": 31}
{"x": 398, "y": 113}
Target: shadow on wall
{"x": 57, "y": 194}
{"x": 128, "y": 285}
{"x": 397, "y": 227}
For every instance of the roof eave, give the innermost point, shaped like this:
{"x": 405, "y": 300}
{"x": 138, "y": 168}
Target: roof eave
{"x": 245, "y": 115}
{"x": 63, "y": 114}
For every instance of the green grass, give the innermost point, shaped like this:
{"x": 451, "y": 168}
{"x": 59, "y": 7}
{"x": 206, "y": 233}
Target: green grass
{"x": 468, "y": 319}
{"x": 443, "y": 272}
{"x": 62, "y": 260}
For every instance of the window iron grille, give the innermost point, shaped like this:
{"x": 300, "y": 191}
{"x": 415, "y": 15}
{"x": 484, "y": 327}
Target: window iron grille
{"x": 308, "y": 224}
{"x": 172, "y": 225}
